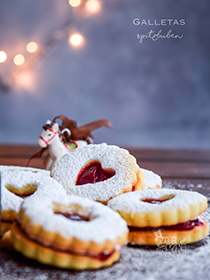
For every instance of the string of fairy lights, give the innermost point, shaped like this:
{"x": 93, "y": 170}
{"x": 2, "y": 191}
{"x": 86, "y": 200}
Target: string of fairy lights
{"x": 23, "y": 63}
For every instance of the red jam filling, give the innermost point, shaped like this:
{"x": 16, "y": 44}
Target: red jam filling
{"x": 93, "y": 173}
{"x": 103, "y": 257}
{"x": 155, "y": 201}
{"x": 100, "y": 257}
{"x": 182, "y": 226}
{"x": 73, "y": 217}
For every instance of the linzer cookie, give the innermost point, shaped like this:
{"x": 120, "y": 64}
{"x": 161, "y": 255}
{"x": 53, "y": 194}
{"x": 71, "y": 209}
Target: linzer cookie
{"x": 149, "y": 180}
{"x": 22, "y": 168}
{"x": 16, "y": 185}
{"x": 162, "y": 216}
{"x": 69, "y": 232}
{"x": 99, "y": 172}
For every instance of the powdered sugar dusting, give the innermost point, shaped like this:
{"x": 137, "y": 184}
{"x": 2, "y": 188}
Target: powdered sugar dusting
{"x": 18, "y": 179}
{"x": 152, "y": 180}
{"x": 139, "y": 262}
{"x": 104, "y": 223}
{"x": 131, "y": 202}
{"x": 182, "y": 186}
{"x": 189, "y": 185}
{"x": 182, "y": 262}
{"x": 22, "y": 168}
{"x": 67, "y": 169}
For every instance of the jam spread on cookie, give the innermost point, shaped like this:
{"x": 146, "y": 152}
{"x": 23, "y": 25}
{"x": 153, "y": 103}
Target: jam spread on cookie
{"x": 182, "y": 226}
{"x": 155, "y": 201}
{"x": 93, "y": 173}
{"x": 103, "y": 256}
{"x": 73, "y": 217}
{"x": 100, "y": 257}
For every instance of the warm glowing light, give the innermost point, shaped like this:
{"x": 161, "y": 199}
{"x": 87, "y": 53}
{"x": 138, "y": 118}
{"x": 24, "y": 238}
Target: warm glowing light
{"x": 76, "y": 39}
{"x": 31, "y": 47}
{"x": 3, "y": 56}
{"x": 19, "y": 59}
{"x": 74, "y": 3}
{"x": 93, "y": 6}
{"x": 24, "y": 80}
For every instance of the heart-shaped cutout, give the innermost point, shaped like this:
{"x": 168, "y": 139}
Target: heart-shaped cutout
{"x": 93, "y": 173}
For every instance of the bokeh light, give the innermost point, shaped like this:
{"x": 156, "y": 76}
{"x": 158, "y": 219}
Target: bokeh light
{"x": 19, "y": 59}
{"x": 74, "y": 3}
{"x": 76, "y": 39}
{"x": 93, "y": 6}
{"x": 3, "y": 56}
{"x": 31, "y": 47}
{"x": 24, "y": 79}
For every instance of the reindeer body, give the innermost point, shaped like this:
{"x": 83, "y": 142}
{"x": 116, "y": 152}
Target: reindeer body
{"x": 55, "y": 139}
{"x": 57, "y": 149}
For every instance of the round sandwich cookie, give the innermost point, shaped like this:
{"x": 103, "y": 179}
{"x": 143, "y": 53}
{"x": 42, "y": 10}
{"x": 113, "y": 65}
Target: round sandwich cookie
{"x": 163, "y": 216}
{"x": 22, "y": 168}
{"x": 98, "y": 172}
{"x": 69, "y": 232}
{"x": 17, "y": 185}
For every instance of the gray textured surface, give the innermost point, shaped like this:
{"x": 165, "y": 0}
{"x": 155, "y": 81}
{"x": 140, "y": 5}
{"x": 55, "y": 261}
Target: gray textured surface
{"x": 135, "y": 263}
{"x": 155, "y": 93}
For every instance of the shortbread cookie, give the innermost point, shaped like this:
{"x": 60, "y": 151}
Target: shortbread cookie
{"x": 15, "y": 186}
{"x": 166, "y": 216}
{"x": 149, "y": 180}
{"x": 99, "y": 172}
{"x": 69, "y": 232}
{"x": 22, "y": 168}
{"x": 5, "y": 241}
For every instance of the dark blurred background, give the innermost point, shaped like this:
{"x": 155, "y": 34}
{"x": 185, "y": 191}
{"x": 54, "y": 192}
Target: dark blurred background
{"x": 156, "y": 94}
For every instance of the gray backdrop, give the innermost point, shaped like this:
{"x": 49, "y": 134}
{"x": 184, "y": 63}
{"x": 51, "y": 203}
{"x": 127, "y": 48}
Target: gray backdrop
{"x": 154, "y": 93}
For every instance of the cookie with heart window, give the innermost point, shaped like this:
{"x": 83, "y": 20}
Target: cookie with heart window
{"x": 101, "y": 172}
{"x": 70, "y": 232}
{"x": 166, "y": 216}
{"x": 16, "y": 185}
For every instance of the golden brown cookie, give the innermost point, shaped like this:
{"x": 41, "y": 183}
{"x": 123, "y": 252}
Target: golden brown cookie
{"x": 18, "y": 184}
{"x": 69, "y": 232}
{"x": 148, "y": 180}
{"x": 162, "y": 216}
{"x": 5, "y": 242}
{"x": 98, "y": 172}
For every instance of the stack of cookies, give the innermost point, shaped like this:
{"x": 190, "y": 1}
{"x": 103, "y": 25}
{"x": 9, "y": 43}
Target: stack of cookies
{"x": 95, "y": 200}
